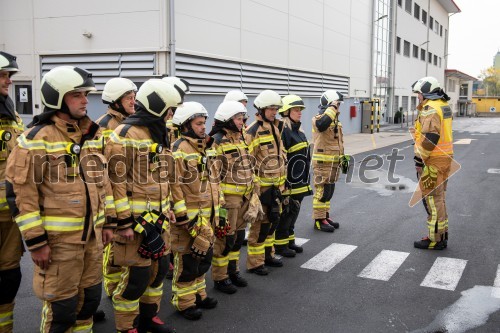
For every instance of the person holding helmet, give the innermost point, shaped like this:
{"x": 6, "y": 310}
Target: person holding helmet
{"x": 328, "y": 149}
{"x": 58, "y": 185}
{"x": 140, "y": 163}
{"x": 433, "y": 157}
{"x": 195, "y": 195}
{"x": 297, "y": 181}
{"x": 236, "y": 173}
{"x": 173, "y": 133}
{"x": 119, "y": 95}
{"x": 11, "y": 248}
{"x": 265, "y": 145}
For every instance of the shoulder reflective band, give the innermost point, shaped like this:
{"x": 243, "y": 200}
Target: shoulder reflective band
{"x": 73, "y": 148}
{"x": 5, "y": 135}
{"x": 156, "y": 148}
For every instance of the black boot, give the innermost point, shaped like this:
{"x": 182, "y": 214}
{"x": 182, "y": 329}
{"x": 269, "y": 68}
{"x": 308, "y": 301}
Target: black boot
{"x": 259, "y": 270}
{"x": 207, "y": 303}
{"x": 284, "y": 251}
{"x": 238, "y": 280}
{"x": 156, "y": 325}
{"x": 426, "y": 244}
{"x": 192, "y": 313}
{"x": 323, "y": 225}
{"x": 336, "y": 225}
{"x": 150, "y": 322}
{"x": 226, "y": 286}
{"x": 99, "y": 316}
{"x": 295, "y": 247}
{"x": 270, "y": 260}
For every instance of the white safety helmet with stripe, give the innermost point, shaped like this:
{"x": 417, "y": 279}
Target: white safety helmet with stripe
{"x": 236, "y": 95}
{"x": 330, "y": 96}
{"x": 228, "y": 109}
{"x": 157, "y": 96}
{"x": 426, "y": 85}
{"x": 267, "y": 98}
{"x": 181, "y": 83}
{"x": 8, "y": 63}
{"x": 61, "y": 80}
{"x": 115, "y": 88}
{"x": 189, "y": 111}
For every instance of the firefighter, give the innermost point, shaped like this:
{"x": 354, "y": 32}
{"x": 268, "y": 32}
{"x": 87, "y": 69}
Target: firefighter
{"x": 196, "y": 206}
{"x": 139, "y": 162}
{"x": 59, "y": 180}
{"x": 297, "y": 181}
{"x": 11, "y": 248}
{"x": 236, "y": 173}
{"x": 119, "y": 95}
{"x": 327, "y": 153}
{"x": 173, "y": 132}
{"x": 237, "y": 96}
{"x": 433, "y": 158}
{"x": 263, "y": 137}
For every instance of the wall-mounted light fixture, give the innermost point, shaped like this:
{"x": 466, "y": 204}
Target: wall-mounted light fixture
{"x": 87, "y": 34}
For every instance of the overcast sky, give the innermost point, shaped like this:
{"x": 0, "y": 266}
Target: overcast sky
{"x": 474, "y": 36}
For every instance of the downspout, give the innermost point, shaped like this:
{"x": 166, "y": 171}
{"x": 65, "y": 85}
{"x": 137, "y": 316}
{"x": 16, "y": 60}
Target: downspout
{"x": 428, "y": 41}
{"x": 394, "y": 25}
{"x": 171, "y": 37}
{"x": 372, "y": 50}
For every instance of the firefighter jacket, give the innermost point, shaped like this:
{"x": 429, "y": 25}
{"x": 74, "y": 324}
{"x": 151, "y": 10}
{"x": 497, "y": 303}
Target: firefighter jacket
{"x": 327, "y": 139}
{"x": 139, "y": 171}
{"x": 109, "y": 121}
{"x": 60, "y": 181}
{"x": 299, "y": 159}
{"x": 265, "y": 145}
{"x": 195, "y": 187}
{"x": 433, "y": 129}
{"x": 172, "y": 132}
{"x": 9, "y": 132}
{"x": 233, "y": 163}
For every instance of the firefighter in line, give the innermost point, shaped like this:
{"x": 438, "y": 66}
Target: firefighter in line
{"x": 11, "y": 247}
{"x": 236, "y": 174}
{"x": 59, "y": 180}
{"x": 119, "y": 95}
{"x": 263, "y": 137}
{"x": 139, "y": 166}
{"x": 433, "y": 158}
{"x": 328, "y": 151}
{"x": 173, "y": 132}
{"x": 196, "y": 206}
{"x": 297, "y": 182}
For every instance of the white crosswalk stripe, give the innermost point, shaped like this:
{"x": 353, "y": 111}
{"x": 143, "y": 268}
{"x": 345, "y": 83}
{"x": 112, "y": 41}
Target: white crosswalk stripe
{"x": 385, "y": 264}
{"x": 445, "y": 273}
{"x": 301, "y": 241}
{"x": 496, "y": 284}
{"x": 329, "y": 257}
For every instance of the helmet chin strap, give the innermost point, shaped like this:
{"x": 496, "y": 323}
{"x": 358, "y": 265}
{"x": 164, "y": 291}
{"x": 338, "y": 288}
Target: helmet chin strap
{"x": 120, "y": 108}
{"x": 263, "y": 115}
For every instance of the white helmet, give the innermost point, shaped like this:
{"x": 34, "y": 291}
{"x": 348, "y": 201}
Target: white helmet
{"x": 188, "y": 111}
{"x": 229, "y": 109}
{"x": 61, "y": 80}
{"x": 331, "y": 96}
{"x": 181, "y": 83}
{"x": 235, "y": 95}
{"x": 157, "y": 96}
{"x": 426, "y": 85}
{"x": 267, "y": 98}
{"x": 115, "y": 88}
{"x": 8, "y": 63}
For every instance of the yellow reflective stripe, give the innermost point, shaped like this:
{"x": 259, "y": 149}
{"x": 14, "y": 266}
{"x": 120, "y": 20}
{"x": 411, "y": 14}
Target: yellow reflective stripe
{"x": 297, "y": 190}
{"x": 269, "y": 241}
{"x": 28, "y": 221}
{"x": 234, "y": 255}
{"x": 5, "y": 124}
{"x": 220, "y": 261}
{"x": 179, "y": 292}
{"x": 122, "y": 205}
{"x": 281, "y": 241}
{"x": 204, "y": 212}
{"x": 125, "y": 306}
{"x": 107, "y": 133}
{"x": 93, "y": 144}
{"x": 291, "y": 237}
{"x": 326, "y": 158}
{"x": 426, "y": 113}
{"x": 82, "y": 328}
{"x": 50, "y": 147}
{"x": 256, "y": 250}
{"x": 225, "y": 147}
{"x": 210, "y": 152}
{"x": 127, "y": 142}
{"x": 99, "y": 218}
{"x": 6, "y": 318}
{"x": 330, "y": 113}
{"x": 187, "y": 157}
{"x": 236, "y": 189}
{"x": 431, "y": 224}
{"x": 264, "y": 181}
{"x": 297, "y": 147}
{"x": 110, "y": 202}
{"x": 179, "y": 206}
{"x": 3, "y": 204}
{"x": 154, "y": 291}
{"x": 201, "y": 285}
{"x": 56, "y": 223}
{"x": 258, "y": 140}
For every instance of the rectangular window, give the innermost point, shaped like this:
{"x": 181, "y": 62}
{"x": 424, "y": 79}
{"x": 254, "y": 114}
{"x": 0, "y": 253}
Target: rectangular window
{"x": 435, "y": 60}
{"x": 400, "y": 3}
{"x": 429, "y": 57}
{"x": 422, "y": 54}
{"x": 416, "y": 11}
{"x": 451, "y": 85}
{"x": 431, "y": 23}
{"x": 424, "y": 17}
{"x": 404, "y": 100}
{"x": 441, "y": 31}
{"x": 439, "y": 62}
{"x": 436, "y": 28}
{"x": 415, "y": 51}
{"x": 398, "y": 45}
{"x": 413, "y": 103}
{"x": 408, "y": 6}
{"x": 406, "y": 50}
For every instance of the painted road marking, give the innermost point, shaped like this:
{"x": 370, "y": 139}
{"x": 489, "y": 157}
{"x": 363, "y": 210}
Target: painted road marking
{"x": 496, "y": 285}
{"x": 463, "y": 142}
{"x": 385, "y": 264}
{"x": 301, "y": 241}
{"x": 493, "y": 170}
{"x": 329, "y": 257}
{"x": 445, "y": 273}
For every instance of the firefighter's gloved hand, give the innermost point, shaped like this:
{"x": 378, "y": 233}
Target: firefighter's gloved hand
{"x": 201, "y": 246}
{"x": 152, "y": 245}
{"x": 429, "y": 177}
{"x": 161, "y": 222}
{"x": 345, "y": 163}
{"x": 254, "y": 211}
{"x": 222, "y": 228}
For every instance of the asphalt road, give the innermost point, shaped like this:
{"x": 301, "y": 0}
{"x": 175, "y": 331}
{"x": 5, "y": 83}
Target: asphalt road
{"x": 381, "y": 283}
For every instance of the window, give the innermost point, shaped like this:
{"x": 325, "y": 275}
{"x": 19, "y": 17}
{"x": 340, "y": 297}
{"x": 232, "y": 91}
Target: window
{"x": 413, "y": 103}
{"x": 400, "y": 3}
{"x": 435, "y": 60}
{"x": 416, "y": 12}
{"x": 451, "y": 85}
{"x": 408, "y": 6}
{"x": 431, "y": 23}
{"x": 441, "y": 31}
{"x": 398, "y": 45}
{"x": 439, "y": 62}
{"x": 422, "y": 54}
{"x": 436, "y": 28}
{"x": 404, "y": 100}
{"x": 406, "y": 50}
{"x": 424, "y": 17}
{"x": 415, "y": 51}
{"x": 429, "y": 57}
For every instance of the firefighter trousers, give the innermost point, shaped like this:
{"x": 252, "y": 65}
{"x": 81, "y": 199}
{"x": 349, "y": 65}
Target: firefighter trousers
{"x": 71, "y": 287}
{"x": 111, "y": 273}
{"x": 259, "y": 238}
{"x": 325, "y": 177}
{"x": 227, "y": 249}
{"x": 285, "y": 233}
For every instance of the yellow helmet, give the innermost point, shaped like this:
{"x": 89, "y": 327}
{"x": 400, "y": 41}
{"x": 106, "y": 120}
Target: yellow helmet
{"x": 291, "y": 101}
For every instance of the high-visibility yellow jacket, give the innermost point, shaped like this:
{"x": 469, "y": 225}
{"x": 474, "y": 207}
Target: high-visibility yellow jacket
{"x": 61, "y": 195}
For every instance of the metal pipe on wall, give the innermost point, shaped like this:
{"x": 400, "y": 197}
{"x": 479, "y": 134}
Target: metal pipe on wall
{"x": 171, "y": 37}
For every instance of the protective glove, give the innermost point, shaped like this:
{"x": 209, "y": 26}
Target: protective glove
{"x": 201, "y": 246}
{"x": 418, "y": 162}
{"x": 428, "y": 178}
{"x": 254, "y": 211}
{"x": 152, "y": 245}
{"x": 161, "y": 221}
{"x": 222, "y": 228}
{"x": 345, "y": 163}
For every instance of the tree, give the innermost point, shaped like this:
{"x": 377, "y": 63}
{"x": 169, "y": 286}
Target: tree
{"x": 491, "y": 81}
